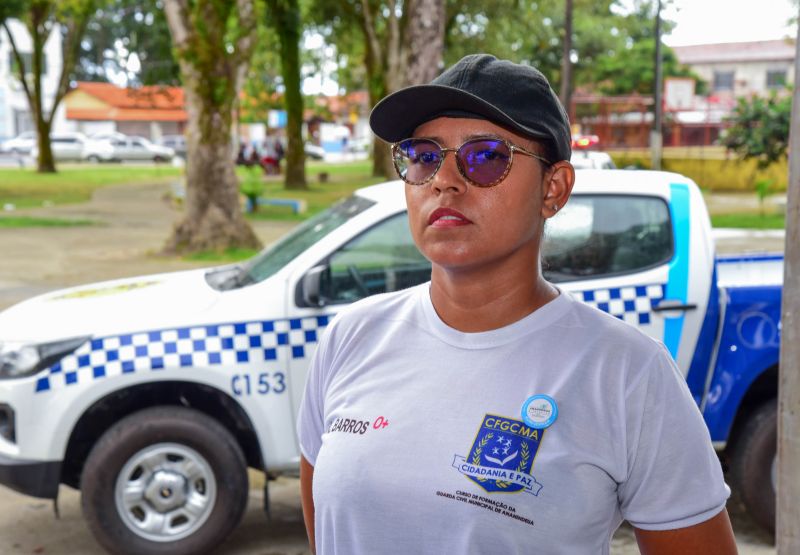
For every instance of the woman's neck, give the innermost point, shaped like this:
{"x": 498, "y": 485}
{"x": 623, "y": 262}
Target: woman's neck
{"x": 475, "y": 301}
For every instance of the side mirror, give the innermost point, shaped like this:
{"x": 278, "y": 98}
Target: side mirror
{"x": 311, "y": 285}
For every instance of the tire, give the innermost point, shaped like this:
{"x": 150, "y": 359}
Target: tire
{"x": 185, "y": 477}
{"x": 752, "y": 464}
{"x": 93, "y": 159}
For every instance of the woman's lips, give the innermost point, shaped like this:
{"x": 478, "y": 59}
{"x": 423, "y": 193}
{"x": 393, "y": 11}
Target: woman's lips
{"x": 447, "y": 217}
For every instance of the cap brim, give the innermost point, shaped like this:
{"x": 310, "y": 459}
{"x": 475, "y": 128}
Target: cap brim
{"x": 397, "y": 116}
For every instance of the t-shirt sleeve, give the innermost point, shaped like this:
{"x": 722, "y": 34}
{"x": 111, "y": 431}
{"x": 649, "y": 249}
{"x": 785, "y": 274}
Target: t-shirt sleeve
{"x": 311, "y": 418}
{"x": 674, "y": 477}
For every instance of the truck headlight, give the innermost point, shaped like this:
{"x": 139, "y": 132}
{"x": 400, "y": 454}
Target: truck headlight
{"x": 18, "y": 360}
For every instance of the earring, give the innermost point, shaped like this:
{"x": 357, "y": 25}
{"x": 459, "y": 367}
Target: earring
{"x": 555, "y": 208}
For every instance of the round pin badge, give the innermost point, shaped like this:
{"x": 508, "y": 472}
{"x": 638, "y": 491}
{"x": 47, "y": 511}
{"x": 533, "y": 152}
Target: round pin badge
{"x": 539, "y": 411}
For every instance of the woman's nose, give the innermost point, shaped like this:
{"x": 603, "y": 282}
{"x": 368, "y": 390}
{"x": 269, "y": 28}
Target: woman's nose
{"x": 449, "y": 178}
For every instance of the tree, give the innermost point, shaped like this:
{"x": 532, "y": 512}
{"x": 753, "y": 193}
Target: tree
{"x": 401, "y": 44}
{"x": 608, "y": 36}
{"x": 632, "y": 71}
{"x": 788, "y": 487}
{"x": 41, "y": 17}
{"x": 566, "y": 58}
{"x": 261, "y": 91}
{"x": 284, "y": 16}
{"x": 759, "y": 129}
{"x": 130, "y": 38}
{"x": 213, "y": 41}
{"x": 10, "y": 9}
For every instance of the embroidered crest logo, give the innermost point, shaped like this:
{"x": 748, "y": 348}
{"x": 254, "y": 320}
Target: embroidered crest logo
{"x": 501, "y": 457}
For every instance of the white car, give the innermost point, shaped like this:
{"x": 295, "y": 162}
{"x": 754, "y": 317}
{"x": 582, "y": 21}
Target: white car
{"x": 131, "y": 148}
{"x": 77, "y": 147}
{"x": 176, "y": 143}
{"x": 592, "y": 160}
{"x": 21, "y": 144}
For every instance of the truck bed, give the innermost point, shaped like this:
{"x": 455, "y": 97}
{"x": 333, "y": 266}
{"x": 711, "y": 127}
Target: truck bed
{"x": 749, "y": 270}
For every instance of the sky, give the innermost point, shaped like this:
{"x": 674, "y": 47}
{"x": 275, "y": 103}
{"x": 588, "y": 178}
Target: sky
{"x": 712, "y": 21}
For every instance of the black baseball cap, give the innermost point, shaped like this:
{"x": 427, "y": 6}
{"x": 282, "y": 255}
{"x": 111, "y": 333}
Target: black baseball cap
{"x": 515, "y": 96}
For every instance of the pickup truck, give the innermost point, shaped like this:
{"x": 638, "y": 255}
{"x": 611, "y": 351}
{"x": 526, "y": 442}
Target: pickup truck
{"x": 154, "y": 395}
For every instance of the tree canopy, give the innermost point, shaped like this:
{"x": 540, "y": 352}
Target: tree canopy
{"x": 760, "y": 129}
{"x": 128, "y": 38}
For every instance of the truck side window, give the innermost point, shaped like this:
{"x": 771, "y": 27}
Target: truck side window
{"x": 380, "y": 260}
{"x": 602, "y": 235}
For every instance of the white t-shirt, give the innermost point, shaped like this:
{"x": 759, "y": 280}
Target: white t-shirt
{"x": 418, "y": 443}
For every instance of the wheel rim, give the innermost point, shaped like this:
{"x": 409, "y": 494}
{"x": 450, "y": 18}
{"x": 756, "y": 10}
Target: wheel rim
{"x": 165, "y": 492}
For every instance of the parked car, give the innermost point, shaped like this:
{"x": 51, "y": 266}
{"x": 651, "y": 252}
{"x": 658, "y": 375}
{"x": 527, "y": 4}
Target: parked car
{"x": 77, "y": 147}
{"x": 139, "y": 388}
{"x": 314, "y": 152}
{"x": 176, "y": 143}
{"x": 21, "y": 144}
{"x": 132, "y": 148}
{"x": 592, "y": 160}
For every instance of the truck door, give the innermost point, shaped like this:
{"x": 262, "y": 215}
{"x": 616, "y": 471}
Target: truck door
{"x": 381, "y": 259}
{"x": 629, "y": 255}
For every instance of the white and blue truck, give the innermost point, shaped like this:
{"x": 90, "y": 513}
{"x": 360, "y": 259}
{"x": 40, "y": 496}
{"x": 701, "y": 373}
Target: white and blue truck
{"x": 154, "y": 395}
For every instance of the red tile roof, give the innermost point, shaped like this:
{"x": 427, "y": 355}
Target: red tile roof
{"x": 151, "y": 103}
{"x": 731, "y": 52}
{"x": 150, "y": 97}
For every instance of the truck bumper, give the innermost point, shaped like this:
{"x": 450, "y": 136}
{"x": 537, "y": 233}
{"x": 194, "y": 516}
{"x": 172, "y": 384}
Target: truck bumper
{"x": 34, "y": 478}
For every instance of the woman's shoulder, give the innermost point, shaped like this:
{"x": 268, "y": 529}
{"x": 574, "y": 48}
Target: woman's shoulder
{"x": 607, "y": 332}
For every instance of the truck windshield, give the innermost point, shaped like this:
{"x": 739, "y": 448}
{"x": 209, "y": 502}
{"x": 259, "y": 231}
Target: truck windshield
{"x": 277, "y": 255}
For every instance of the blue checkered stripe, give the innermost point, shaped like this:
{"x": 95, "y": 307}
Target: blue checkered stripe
{"x": 226, "y": 345}
{"x": 633, "y": 304}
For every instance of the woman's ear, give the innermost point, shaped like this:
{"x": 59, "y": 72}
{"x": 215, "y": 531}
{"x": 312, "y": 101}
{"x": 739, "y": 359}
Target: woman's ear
{"x": 557, "y": 185}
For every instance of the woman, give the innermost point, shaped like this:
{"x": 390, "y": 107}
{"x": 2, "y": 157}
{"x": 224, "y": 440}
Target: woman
{"x": 487, "y": 412}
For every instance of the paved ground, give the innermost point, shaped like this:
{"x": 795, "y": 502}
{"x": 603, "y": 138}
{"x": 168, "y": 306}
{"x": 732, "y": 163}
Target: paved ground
{"x": 27, "y": 526}
{"x": 135, "y": 221}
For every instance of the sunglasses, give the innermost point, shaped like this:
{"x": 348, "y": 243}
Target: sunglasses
{"x": 484, "y": 161}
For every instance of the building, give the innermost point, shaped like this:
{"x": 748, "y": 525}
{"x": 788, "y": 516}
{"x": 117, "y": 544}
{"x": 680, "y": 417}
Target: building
{"x": 15, "y": 112}
{"x": 732, "y": 70}
{"x": 151, "y": 112}
{"x": 741, "y": 68}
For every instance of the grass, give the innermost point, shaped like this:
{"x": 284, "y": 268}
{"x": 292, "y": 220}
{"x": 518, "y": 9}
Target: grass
{"x": 25, "y": 188}
{"x": 228, "y": 255}
{"x": 343, "y": 179}
{"x": 29, "y": 221}
{"x": 749, "y": 220}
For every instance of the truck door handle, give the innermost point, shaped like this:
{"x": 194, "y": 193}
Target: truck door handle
{"x": 673, "y": 305}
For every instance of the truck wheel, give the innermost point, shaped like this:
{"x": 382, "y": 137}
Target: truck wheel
{"x": 753, "y": 466}
{"x": 165, "y": 480}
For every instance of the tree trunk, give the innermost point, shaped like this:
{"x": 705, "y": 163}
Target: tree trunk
{"x": 45, "y": 162}
{"x": 382, "y": 165}
{"x": 425, "y": 39}
{"x": 565, "y": 94}
{"x": 286, "y": 21}
{"x": 407, "y": 54}
{"x": 212, "y": 217}
{"x": 211, "y": 71}
{"x": 788, "y": 489}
